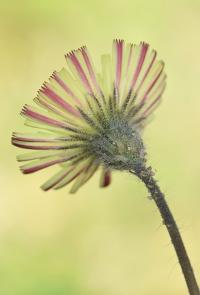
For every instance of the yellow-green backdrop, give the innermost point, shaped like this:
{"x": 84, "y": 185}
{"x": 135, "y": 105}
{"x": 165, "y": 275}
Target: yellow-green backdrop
{"x": 111, "y": 241}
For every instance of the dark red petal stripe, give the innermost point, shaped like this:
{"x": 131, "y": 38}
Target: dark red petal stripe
{"x": 42, "y": 166}
{"x": 57, "y": 99}
{"x": 119, "y": 53}
{"x": 140, "y": 63}
{"x": 80, "y": 71}
{"x": 42, "y": 147}
{"x": 107, "y": 178}
{"x": 148, "y": 110}
{"x": 151, "y": 86}
{"x": 65, "y": 87}
{"x": 147, "y": 71}
{"x": 44, "y": 119}
{"x": 86, "y": 58}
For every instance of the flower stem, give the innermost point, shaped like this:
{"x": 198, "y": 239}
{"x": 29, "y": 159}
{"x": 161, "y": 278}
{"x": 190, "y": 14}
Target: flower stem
{"x": 146, "y": 175}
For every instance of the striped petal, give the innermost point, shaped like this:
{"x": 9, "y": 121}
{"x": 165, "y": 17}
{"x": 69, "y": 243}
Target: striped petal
{"x": 105, "y": 179}
{"x": 86, "y": 174}
{"x": 37, "y": 165}
{"x": 74, "y": 172}
{"x": 76, "y": 64}
{"x": 150, "y": 102}
{"x": 56, "y": 179}
{"x": 91, "y": 70}
{"x": 52, "y": 93}
{"x": 118, "y": 48}
{"x": 37, "y": 143}
{"x": 64, "y": 81}
{"x": 139, "y": 62}
{"x": 37, "y": 155}
{"x": 45, "y": 120}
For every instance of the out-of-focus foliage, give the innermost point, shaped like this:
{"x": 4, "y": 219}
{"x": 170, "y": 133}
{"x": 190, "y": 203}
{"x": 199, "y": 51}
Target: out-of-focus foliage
{"x": 99, "y": 242}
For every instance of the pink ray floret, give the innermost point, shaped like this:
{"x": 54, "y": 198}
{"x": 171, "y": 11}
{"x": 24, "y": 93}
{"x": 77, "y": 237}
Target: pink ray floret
{"x": 57, "y": 99}
{"x": 65, "y": 87}
{"x": 80, "y": 71}
{"x": 140, "y": 63}
{"x": 119, "y": 52}
{"x": 91, "y": 71}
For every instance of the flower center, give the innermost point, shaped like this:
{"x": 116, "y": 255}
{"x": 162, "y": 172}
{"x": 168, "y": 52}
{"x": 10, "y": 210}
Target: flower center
{"x": 118, "y": 146}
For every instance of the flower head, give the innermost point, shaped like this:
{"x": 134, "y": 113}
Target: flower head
{"x": 88, "y": 120}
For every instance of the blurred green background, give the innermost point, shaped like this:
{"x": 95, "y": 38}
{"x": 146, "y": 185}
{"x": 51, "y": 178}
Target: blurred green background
{"x": 111, "y": 241}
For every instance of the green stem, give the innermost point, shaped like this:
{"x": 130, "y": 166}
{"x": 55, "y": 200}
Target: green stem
{"x": 146, "y": 175}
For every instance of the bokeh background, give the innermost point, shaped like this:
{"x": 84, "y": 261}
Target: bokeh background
{"x": 111, "y": 241}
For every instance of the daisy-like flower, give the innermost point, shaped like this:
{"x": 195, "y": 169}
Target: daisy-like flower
{"x": 89, "y": 120}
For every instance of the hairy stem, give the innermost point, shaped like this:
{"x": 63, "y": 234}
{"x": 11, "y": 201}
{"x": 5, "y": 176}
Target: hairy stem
{"x": 146, "y": 175}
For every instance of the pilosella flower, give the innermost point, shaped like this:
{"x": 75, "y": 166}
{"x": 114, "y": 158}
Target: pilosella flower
{"x": 89, "y": 120}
